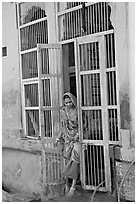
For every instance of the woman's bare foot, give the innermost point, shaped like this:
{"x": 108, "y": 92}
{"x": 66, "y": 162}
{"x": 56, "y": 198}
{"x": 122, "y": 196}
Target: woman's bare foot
{"x": 71, "y": 192}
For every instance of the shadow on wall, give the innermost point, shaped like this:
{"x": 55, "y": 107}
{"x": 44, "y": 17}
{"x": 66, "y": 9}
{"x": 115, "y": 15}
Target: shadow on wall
{"x": 125, "y": 112}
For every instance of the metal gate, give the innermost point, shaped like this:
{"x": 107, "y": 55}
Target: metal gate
{"x": 50, "y": 103}
{"x": 96, "y": 86}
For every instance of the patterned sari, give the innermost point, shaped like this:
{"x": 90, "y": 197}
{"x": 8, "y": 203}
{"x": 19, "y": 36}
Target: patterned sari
{"x": 69, "y": 130}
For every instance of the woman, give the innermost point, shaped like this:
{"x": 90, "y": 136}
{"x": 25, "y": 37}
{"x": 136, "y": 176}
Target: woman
{"x": 69, "y": 136}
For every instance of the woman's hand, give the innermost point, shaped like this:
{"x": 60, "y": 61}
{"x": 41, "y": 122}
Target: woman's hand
{"x": 76, "y": 138}
{"x": 57, "y": 140}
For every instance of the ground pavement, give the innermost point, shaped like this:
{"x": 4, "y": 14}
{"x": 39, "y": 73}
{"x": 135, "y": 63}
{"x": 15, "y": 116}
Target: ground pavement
{"x": 80, "y": 196}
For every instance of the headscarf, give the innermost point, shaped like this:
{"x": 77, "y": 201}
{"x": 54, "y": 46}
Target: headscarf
{"x": 72, "y": 97}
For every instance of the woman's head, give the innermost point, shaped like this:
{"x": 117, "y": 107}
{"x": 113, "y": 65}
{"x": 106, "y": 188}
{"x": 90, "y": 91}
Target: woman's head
{"x": 69, "y": 100}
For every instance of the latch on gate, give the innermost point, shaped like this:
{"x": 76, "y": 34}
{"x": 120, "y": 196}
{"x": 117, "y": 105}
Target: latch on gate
{"x": 85, "y": 146}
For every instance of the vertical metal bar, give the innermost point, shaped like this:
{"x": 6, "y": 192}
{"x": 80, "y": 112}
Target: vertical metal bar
{"x": 94, "y": 149}
{"x": 85, "y": 57}
{"x": 91, "y": 18}
{"x": 107, "y": 26}
{"x": 110, "y": 87}
{"x": 102, "y": 29}
{"x": 81, "y": 33}
{"x": 72, "y": 24}
{"x": 97, "y": 162}
{"x": 87, "y": 161}
{"x": 96, "y": 55}
{"x": 96, "y": 119}
{"x": 112, "y": 124}
{"x": 99, "y": 24}
{"x": 96, "y": 17}
{"x": 94, "y": 96}
{"x": 41, "y": 116}
{"x": 87, "y": 96}
{"x": 58, "y": 167}
{"x": 65, "y": 16}
{"x": 112, "y": 50}
{"x": 104, "y": 9}
{"x": 93, "y": 56}
{"x": 78, "y": 23}
{"x": 98, "y": 90}
{"x": 101, "y": 165}
{"x": 89, "y": 90}
{"x": 76, "y": 34}
{"x": 69, "y": 26}
{"x": 100, "y": 125}
{"x": 113, "y": 88}
{"x": 89, "y": 59}
{"x": 103, "y": 16}
{"x": 114, "y": 127}
{"x": 88, "y": 21}
{"x": 94, "y": 29}
{"x": 104, "y": 113}
{"x": 21, "y": 72}
{"x": 78, "y": 83}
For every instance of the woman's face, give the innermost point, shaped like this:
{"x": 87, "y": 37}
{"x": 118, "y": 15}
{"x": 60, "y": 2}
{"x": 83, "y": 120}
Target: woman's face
{"x": 68, "y": 102}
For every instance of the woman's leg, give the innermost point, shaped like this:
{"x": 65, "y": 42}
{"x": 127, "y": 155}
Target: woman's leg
{"x": 73, "y": 183}
{"x": 67, "y": 186}
{"x": 73, "y": 188}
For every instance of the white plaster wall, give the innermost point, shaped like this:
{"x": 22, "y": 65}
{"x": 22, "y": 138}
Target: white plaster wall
{"x": 123, "y": 20}
{"x": 131, "y": 65}
{"x": 11, "y": 106}
{"x": 52, "y": 28}
{"x": 119, "y": 21}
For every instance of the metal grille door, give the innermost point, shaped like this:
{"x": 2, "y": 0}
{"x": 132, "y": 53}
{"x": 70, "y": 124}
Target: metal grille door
{"x": 50, "y": 102}
{"x": 50, "y": 88}
{"x": 92, "y": 102}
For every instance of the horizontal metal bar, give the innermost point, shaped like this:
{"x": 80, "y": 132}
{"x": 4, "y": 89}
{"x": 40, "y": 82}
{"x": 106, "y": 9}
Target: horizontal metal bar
{"x": 90, "y": 72}
{"x": 28, "y": 51}
{"x": 94, "y": 142}
{"x": 93, "y": 36}
{"x": 43, "y": 76}
{"x": 67, "y": 41}
{"x": 91, "y": 108}
{"x": 33, "y": 22}
{"x": 112, "y": 107}
{"x": 31, "y": 108}
{"x": 115, "y": 143}
{"x": 31, "y": 137}
{"x": 100, "y": 34}
{"x": 51, "y": 108}
{"x": 111, "y": 69}
{"x": 60, "y": 13}
{"x": 88, "y": 187}
{"x": 30, "y": 81}
{"x": 49, "y": 46}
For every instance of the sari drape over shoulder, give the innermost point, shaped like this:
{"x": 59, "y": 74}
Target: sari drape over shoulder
{"x": 69, "y": 129}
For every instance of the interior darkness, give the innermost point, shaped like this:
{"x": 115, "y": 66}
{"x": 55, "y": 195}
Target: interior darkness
{"x": 72, "y": 75}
